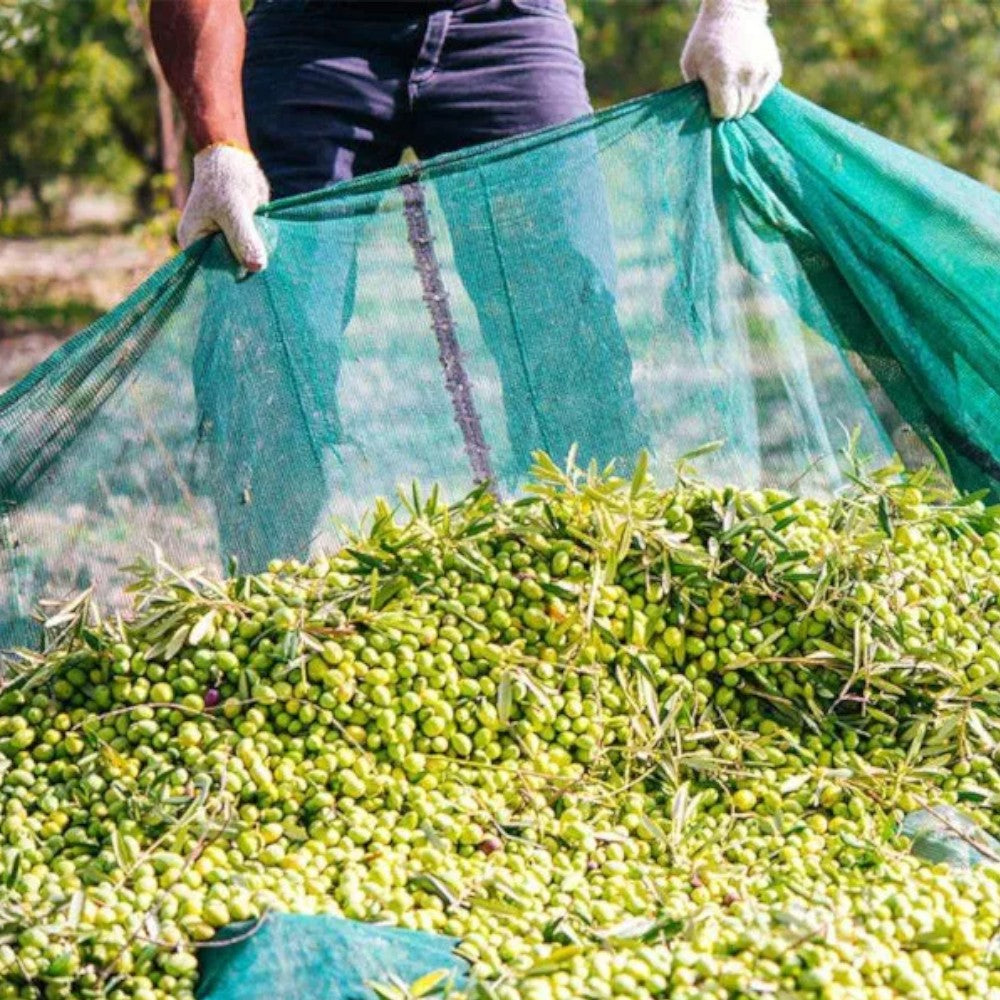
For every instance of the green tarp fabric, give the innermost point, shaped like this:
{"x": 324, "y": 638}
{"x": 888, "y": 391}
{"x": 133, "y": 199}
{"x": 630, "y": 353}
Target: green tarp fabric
{"x": 644, "y": 278}
{"x": 943, "y": 835}
{"x": 322, "y": 958}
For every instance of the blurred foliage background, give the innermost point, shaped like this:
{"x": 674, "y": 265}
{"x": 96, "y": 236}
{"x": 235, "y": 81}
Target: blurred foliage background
{"x": 93, "y": 158}
{"x": 923, "y": 72}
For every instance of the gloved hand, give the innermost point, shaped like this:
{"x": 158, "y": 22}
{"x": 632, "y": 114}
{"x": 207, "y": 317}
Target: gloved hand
{"x": 228, "y": 188}
{"x": 732, "y": 51}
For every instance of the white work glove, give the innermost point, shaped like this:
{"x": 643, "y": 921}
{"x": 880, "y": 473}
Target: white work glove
{"x": 228, "y": 188}
{"x": 732, "y": 51}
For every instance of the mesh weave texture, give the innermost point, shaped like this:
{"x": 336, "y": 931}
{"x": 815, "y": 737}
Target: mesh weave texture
{"x": 643, "y": 278}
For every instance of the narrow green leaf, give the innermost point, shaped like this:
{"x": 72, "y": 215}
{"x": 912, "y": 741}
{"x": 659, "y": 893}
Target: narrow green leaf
{"x": 505, "y": 697}
{"x": 201, "y": 628}
{"x": 639, "y": 475}
{"x": 429, "y": 983}
{"x": 13, "y": 870}
{"x": 386, "y": 991}
{"x": 176, "y": 643}
{"x": 75, "y": 911}
{"x": 884, "y": 517}
{"x": 705, "y": 449}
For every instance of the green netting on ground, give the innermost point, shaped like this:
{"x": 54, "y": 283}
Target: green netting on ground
{"x": 289, "y": 957}
{"x": 641, "y": 279}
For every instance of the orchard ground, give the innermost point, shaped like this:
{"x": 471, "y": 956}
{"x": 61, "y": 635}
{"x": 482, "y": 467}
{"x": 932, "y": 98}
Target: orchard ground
{"x": 53, "y": 285}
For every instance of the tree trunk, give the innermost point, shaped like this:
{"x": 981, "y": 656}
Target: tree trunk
{"x": 172, "y": 130}
{"x": 42, "y": 203}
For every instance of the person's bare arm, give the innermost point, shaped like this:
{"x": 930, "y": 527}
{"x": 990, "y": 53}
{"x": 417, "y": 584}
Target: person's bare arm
{"x": 200, "y": 44}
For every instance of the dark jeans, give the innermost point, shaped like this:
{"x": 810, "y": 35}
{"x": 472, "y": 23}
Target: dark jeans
{"x": 335, "y": 89}
{"x": 332, "y": 92}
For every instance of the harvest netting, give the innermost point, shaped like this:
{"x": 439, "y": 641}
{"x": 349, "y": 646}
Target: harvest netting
{"x": 642, "y": 279}
{"x": 613, "y": 739}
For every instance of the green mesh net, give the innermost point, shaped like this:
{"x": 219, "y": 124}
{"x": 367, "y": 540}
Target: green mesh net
{"x": 642, "y": 279}
{"x": 943, "y": 835}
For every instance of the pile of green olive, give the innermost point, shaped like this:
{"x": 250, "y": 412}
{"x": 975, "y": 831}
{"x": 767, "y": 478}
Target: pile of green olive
{"x": 621, "y": 740}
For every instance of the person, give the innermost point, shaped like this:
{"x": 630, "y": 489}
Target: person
{"x": 308, "y": 93}
{"x": 374, "y": 76}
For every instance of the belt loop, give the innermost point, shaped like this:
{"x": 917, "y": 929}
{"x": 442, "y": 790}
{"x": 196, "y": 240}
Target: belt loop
{"x": 430, "y": 52}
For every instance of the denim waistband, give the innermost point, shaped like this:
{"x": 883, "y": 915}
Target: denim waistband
{"x": 375, "y": 9}
{"x": 370, "y": 8}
